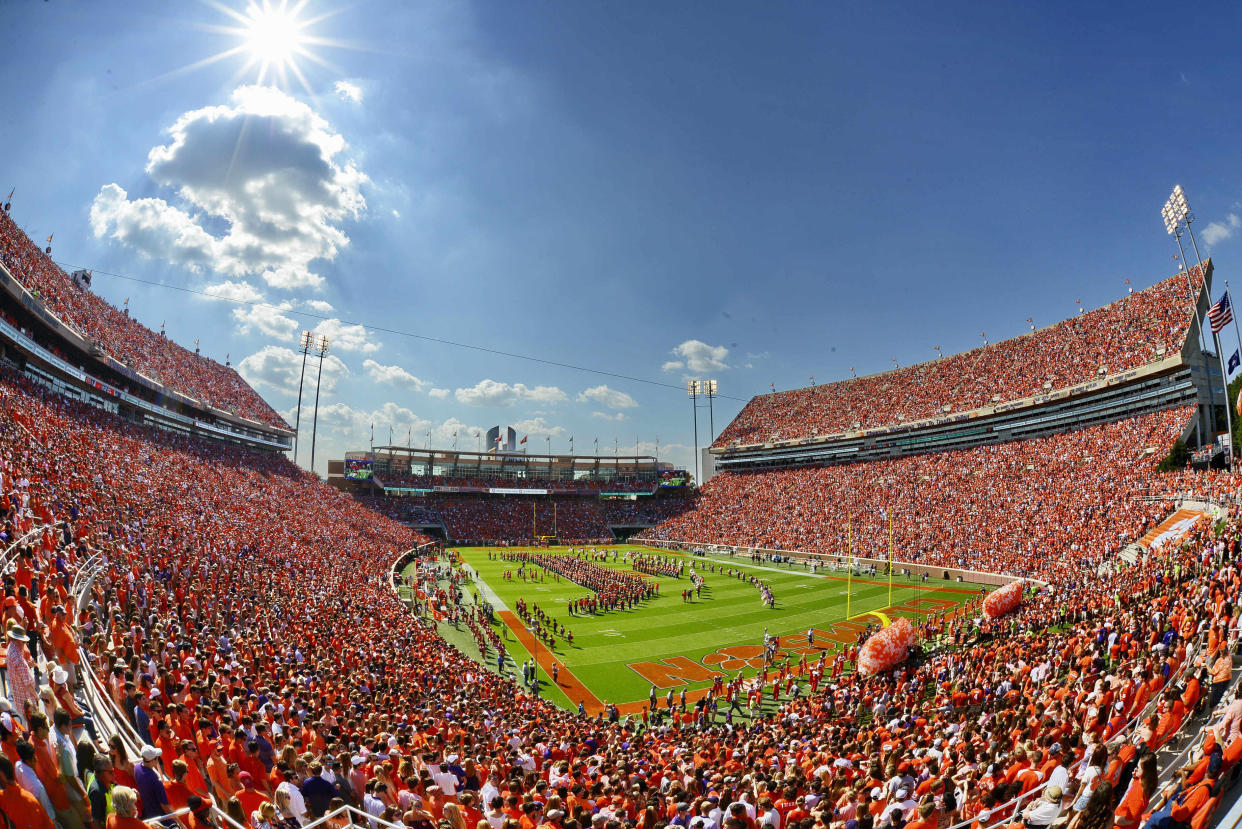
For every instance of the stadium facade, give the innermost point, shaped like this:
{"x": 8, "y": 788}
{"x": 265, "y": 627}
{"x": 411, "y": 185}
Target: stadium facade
{"x": 1168, "y": 377}
{"x": 37, "y": 299}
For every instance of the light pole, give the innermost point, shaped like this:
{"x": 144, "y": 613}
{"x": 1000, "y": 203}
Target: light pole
{"x": 322, "y": 349}
{"x": 308, "y": 339}
{"x": 1176, "y": 211}
{"x": 692, "y": 389}
{"x": 708, "y": 387}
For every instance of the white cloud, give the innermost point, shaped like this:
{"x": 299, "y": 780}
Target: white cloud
{"x": 495, "y": 393}
{"x": 346, "y": 337}
{"x": 698, "y": 356}
{"x": 1220, "y": 231}
{"x": 392, "y": 376}
{"x": 439, "y": 394}
{"x": 318, "y": 305}
{"x": 233, "y": 291}
{"x": 268, "y": 319}
{"x": 396, "y": 214}
{"x": 618, "y": 417}
{"x": 266, "y": 167}
{"x": 347, "y": 91}
{"x": 279, "y": 368}
{"x": 609, "y": 398}
{"x": 442, "y": 435}
{"x": 537, "y": 426}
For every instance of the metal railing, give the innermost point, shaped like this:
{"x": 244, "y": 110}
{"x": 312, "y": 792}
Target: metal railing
{"x": 111, "y": 721}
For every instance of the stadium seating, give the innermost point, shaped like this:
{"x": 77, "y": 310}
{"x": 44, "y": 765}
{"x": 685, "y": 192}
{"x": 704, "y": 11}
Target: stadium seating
{"x": 405, "y": 510}
{"x": 994, "y": 508}
{"x": 237, "y": 590}
{"x": 518, "y": 519}
{"x": 123, "y": 338}
{"x": 1142, "y": 327}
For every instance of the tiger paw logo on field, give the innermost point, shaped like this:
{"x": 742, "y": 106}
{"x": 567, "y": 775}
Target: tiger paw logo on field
{"x": 736, "y": 657}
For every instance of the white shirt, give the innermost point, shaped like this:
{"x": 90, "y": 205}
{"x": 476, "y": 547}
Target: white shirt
{"x": 1059, "y": 777}
{"x": 28, "y": 780}
{"x": 297, "y": 803}
{"x": 447, "y": 781}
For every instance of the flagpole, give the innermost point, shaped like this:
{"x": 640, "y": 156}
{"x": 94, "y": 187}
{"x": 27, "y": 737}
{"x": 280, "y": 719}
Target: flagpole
{"x": 849, "y": 563}
{"x": 1220, "y": 354}
{"x": 1236, "y": 333}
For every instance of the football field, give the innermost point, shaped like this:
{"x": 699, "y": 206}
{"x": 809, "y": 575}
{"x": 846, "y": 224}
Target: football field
{"x": 616, "y": 656}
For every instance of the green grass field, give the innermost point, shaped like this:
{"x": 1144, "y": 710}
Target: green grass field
{"x": 617, "y": 656}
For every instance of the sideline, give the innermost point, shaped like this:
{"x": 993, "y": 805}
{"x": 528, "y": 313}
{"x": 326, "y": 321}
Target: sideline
{"x": 570, "y": 685}
{"x": 809, "y": 575}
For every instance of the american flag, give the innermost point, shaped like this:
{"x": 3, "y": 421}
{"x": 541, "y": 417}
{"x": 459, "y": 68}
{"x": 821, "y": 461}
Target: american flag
{"x": 1221, "y": 313}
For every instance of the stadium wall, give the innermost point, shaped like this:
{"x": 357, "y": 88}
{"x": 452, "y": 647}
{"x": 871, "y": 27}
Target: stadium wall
{"x": 903, "y": 568}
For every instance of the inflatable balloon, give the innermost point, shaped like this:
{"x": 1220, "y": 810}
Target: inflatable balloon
{"x": 1005, "y": 600}
{"x": 887, "y": 647}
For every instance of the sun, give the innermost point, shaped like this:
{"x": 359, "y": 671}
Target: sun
{"x": 273, "y": 35}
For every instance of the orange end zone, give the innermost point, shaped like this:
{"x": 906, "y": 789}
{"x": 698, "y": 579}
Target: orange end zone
{"x": 675, "y": 671}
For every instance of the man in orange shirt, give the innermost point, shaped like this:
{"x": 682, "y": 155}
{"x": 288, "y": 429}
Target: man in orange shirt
{"x": 17, "y": 804}
{"x": 1222, "y": 672}
{"x": 925, "y": 818}
{"x": 251, "y": 798}
{"x": 64, "y": 642}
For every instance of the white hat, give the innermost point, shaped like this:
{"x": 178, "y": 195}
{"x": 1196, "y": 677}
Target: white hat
{"x": 150, "y": 753}
{"x": 59, "y": 675}
{"x": 357, "y": 760}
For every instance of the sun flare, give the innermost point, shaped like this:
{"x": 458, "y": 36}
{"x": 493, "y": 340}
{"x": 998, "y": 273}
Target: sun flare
{"x": 273, "y": 34}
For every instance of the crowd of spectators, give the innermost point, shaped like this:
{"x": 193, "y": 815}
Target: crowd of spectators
{"x": 496, "y": 518}
{"x": 516, "y": 519}
{"x": 406, "y": 510}
{"x": 122, "y": 337}
{"x": 1130, "y": 332}
{"x": 1000, "y": 509}
{"x": 245, "y": 625}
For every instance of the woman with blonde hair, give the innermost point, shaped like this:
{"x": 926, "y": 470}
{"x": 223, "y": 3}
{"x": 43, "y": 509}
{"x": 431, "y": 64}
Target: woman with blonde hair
{"x": 264, "y": 817}
{"x": 125, "y": 810}
{"x": 453, "y": 815}
{"x": 284, "y": 806}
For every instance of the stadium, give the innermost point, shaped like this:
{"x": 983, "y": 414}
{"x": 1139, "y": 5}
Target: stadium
{"x": 998, "y": 589}
{"x": 877, "y": 565}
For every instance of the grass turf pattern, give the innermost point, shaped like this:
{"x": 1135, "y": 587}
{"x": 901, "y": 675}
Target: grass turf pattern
{"x": 613, "y": 653}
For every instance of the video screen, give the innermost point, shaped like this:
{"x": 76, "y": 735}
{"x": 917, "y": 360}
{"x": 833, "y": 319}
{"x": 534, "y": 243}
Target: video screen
{"x": 358, "y": 469}
{"x": 674, "y": 478}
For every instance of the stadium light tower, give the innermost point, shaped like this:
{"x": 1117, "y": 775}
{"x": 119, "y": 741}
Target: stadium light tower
{"x": 321, "y": 348}
{"x": 1176, "y": 211}
{"x": 709, "y": 387}
{"x": 693, "y": 389}
{"x": 308, "y": 340}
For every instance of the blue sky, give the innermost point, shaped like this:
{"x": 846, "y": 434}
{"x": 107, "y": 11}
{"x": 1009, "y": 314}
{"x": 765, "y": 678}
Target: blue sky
{"x": 758, "y": 193}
